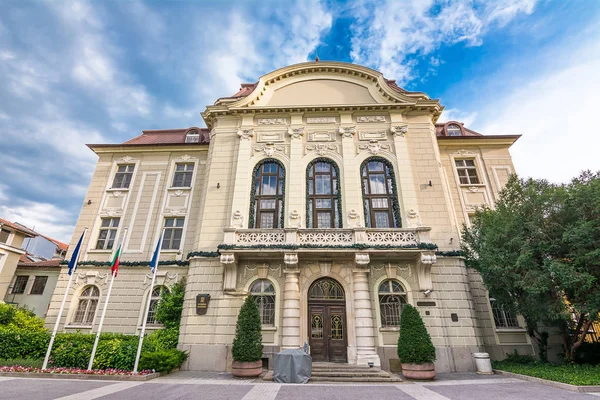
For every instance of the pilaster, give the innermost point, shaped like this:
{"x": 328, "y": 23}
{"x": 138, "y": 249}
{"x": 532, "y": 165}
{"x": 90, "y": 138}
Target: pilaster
{"x": 405, "y": 177}
{"x": 239, "y": 212}
{"x": 352, "y": 207}
{"x": 295, "y": 205}
{"x": 291, "y": 304}
{"x": 363, "y": 314}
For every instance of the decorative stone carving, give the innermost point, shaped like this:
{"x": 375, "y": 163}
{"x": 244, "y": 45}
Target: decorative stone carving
{"x": 402, "y": 238}
{"x": 464, "y": 152}
{"x": 117, "y": 193}
{"x": 424, "y": 270}
{"x": 178, "y": 192}
{"x": 372, "y": 135}
{"x": 325, "y": 267}
{"x": 250, "y": 238}
{"x": 296, "y": 133}
{"x": 127, "y": 159}
{"x": 263, "y": 270}
{"x": 175, "y": 211}
{"x": 347, "y": 131}
{"x": 162, "y": 277}
{"x": 321, "y": 136}
{"x": 270, "y": 136}
{"x": 237, "y": 220}
{"x": 229, "y": 271}
{"x": 295, "y": 219}
{"x": 399, "y": 130}
{"x": 227, "y": 258}
{"x": 245, "y": 134}
{"x": 269, "y": 149}
{"x": 370, "y": 118}
{"x": 473, "y": 189}
{"x": 271, "y": 121}
{"x": 354, "y": 219}
{"x": 320, "y": 120}
{"x": 326, "y": 237}
{"x": 186, "y": 157}
{"x": 414, "y": 218}
{"x": 361, "y": 259}
{"x": 290, "y": 259}
{"x": 321, "y": 148}
{"x": 91, "y": 278}
{"x": 374, "y": 147}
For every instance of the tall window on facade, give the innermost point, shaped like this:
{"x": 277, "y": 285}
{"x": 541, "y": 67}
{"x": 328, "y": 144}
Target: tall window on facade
{"x": 379, "y": 194}
{"x": 467, "y": 172}
{"x": 392, "y": 298}
{"x": 454, "y": 130}
{"x": 86, "y": 308}
{"x": 503, "y": 318}
{"x": 123, "y": 176}
{"x": 154, "y": 299}
{"x": 4, "y": 234}
{"x": 323, "y": 208}
{"x": 264, "y": 294}
{"x": 20, "y": 283}
{"x": 267, "y": 195}
{"x": 39, "y": 284}
{"x": 108, "y": 233}
{"x": 173, "y": 233}
{"x": 183, "y": 175}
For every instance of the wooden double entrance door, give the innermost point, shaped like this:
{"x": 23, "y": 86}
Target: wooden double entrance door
{"x": 327, "y": 322}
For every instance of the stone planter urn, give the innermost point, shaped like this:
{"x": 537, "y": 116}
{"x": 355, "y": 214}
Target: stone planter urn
{"x": 418, "y": 371}
{"x": 248, "y": 369}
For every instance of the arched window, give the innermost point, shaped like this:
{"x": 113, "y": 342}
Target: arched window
{"x": 379, "y": 194}
{"x": 323, "y": 208}
{"x": 154, "y": 299}
{"x": 392, "y": 297}
{"x": 264, "y": 293}
{"x": 86, "y": 308}
{"x": 266, "y": 203}
{"x": 454, "y": 130}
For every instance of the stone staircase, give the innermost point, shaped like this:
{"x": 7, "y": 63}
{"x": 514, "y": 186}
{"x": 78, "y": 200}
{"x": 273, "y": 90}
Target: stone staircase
{"x": 336, "y": 372}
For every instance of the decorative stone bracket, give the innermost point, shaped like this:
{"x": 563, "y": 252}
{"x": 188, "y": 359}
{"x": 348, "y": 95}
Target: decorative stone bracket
{"x": 426, "y": 260}
{"x": 399, "y": 130}
{"x": 362, "y": 259}
{"x": 229, "y": 263}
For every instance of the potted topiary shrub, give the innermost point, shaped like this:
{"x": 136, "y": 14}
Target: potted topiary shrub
{"x": 247, "y": 345}
{"x": 415, "y": 350}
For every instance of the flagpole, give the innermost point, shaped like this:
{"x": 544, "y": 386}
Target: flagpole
{"x": 139, "y": 350}
{"x": 112, "y": 280}
{"x": 62, "y": 305}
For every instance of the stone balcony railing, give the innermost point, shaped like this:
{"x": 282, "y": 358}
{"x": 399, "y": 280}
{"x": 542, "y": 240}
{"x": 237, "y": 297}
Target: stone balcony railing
{"x": 301, "y": 237}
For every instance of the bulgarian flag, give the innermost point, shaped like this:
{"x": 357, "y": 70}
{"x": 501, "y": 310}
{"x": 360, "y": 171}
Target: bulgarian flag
{"x": 114, "y": 265}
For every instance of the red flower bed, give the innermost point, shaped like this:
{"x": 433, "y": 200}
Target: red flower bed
{"x": 71, "y": 371}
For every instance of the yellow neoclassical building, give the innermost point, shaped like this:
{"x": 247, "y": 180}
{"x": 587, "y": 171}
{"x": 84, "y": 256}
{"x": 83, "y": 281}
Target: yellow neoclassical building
{"x": 326, "y": 191}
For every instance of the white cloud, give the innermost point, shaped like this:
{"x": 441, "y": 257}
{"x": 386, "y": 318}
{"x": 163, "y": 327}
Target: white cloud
{"x": 555, "y": 113}
{"x": 46, "y": 218}
{"x": 453, "y": 114}
{"x": 392, "y": 35}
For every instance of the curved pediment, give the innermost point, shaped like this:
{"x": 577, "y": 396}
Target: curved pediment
{"x": 320, "y": 92}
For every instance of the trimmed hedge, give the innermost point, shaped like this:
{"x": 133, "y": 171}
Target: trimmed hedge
{"x": 414, "y": 342}
{"x": 573, "y": 374}
{"x": 247, "y": 344}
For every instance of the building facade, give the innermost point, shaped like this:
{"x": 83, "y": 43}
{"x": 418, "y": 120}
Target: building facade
{"x": 323, "y": 189}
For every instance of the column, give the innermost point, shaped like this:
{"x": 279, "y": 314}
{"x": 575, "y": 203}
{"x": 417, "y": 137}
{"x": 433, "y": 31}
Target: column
{"x": 291, "y": 304}
{"x": 363, "y": 314}
{"x": 295, "y": 209}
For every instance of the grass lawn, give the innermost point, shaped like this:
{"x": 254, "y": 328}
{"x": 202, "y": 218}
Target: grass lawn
{"x": 581, "y": 375}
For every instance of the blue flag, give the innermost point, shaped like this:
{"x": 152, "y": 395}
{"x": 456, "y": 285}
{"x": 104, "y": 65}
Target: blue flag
{"x": 73, "y": 262}
{"x": 154, "y": 262}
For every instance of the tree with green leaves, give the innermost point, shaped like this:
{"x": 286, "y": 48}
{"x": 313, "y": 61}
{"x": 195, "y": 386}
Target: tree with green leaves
{"x": 247, "y": 344}
{"x": 414, "y": 342}
{"x": 534, "y": 254}
{"x": 170, "y": 306}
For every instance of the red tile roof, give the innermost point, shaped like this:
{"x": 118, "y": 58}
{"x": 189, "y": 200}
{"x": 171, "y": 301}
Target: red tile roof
{"x": 41, "y": 264}
{"x": 440, "y": 129}
{"x": 163, "y": 137}
{"x": 18, "y": 227}
{"x": 60, "y": 245}
{"x": 245, "y": 90}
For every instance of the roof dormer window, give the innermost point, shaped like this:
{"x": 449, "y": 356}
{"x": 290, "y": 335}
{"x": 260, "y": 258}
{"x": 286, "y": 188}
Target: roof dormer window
{"x": 192, "y": 137}
{"x": 454, "y": 130}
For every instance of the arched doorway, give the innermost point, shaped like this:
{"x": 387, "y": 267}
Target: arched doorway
{"x": 327, "y": 321}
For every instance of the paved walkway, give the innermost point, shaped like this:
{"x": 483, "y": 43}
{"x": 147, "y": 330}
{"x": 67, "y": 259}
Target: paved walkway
{"x": 221, "y": 386}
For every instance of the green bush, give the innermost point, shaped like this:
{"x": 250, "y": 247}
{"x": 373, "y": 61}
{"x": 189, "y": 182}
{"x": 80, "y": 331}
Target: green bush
{"x": 162, "y": 339}
{"x": 247, "y": 344}
{"x": 414, "y": 343}
{"x": 7, "y": 313}
{"x": 19, "y": 319}
{"x": 23, "y": 344}
{"x": 517, "y": 358}
{"x": 23, "y": 362}
{"x": 170, "y": 306}
{"x": 162, "y": 361}
{"x": 567, "y": 373}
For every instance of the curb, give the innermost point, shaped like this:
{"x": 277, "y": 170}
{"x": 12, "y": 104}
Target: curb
{"x": 559, "y": 385}
{"x": 47, "y": 375}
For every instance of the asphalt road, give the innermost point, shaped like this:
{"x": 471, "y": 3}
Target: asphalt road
{"x": 193, "y": 385}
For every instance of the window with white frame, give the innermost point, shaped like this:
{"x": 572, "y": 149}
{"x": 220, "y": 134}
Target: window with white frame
{"x": 264, "y": 293}
{"x": 173, "y": 233}
{"x": 107, "y": 234}
{"x": 183, "y": 174}
{"x": 192, "y": 137}
{"x": 454, "y": 130}
{"x": 86, "y": 308}
{"x": 467, "y": 172}
{"x": 503, "y": 317}
{"x": 123, "y": 176}
{"x": 157, "y": 292}
{"x": 392, "y": 297}
{"x": 20, "y": 283}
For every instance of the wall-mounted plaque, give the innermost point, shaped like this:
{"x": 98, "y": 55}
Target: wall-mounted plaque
{"x": 202, "y": 301}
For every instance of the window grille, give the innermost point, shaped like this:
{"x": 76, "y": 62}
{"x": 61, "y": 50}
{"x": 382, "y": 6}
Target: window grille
{"x": 86, "y": 308}
{"x": 392, "y": 298}
{"x": 264, "y": 293}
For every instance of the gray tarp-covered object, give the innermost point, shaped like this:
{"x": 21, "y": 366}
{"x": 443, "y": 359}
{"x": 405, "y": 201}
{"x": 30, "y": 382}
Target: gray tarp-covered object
{"x": 292, "y": 366}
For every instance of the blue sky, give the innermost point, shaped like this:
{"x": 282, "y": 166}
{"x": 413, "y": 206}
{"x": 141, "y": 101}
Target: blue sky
{"x": 76, "y": 72}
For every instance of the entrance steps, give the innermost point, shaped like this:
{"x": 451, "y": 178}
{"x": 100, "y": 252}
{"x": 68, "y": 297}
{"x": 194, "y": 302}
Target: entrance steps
{"x": 337, "y": 372}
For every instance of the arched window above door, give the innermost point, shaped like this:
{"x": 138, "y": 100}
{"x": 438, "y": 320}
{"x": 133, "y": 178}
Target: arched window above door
{"x": 323, "y": 205}
{"x": 380, "y": 196}
{"x": 326, "y": 289}
{"x": 268, "y": 194}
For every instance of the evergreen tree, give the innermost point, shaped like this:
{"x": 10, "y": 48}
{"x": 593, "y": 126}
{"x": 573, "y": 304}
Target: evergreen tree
{"x": 247, "y": 344}
{"x": 414, "y": 342}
